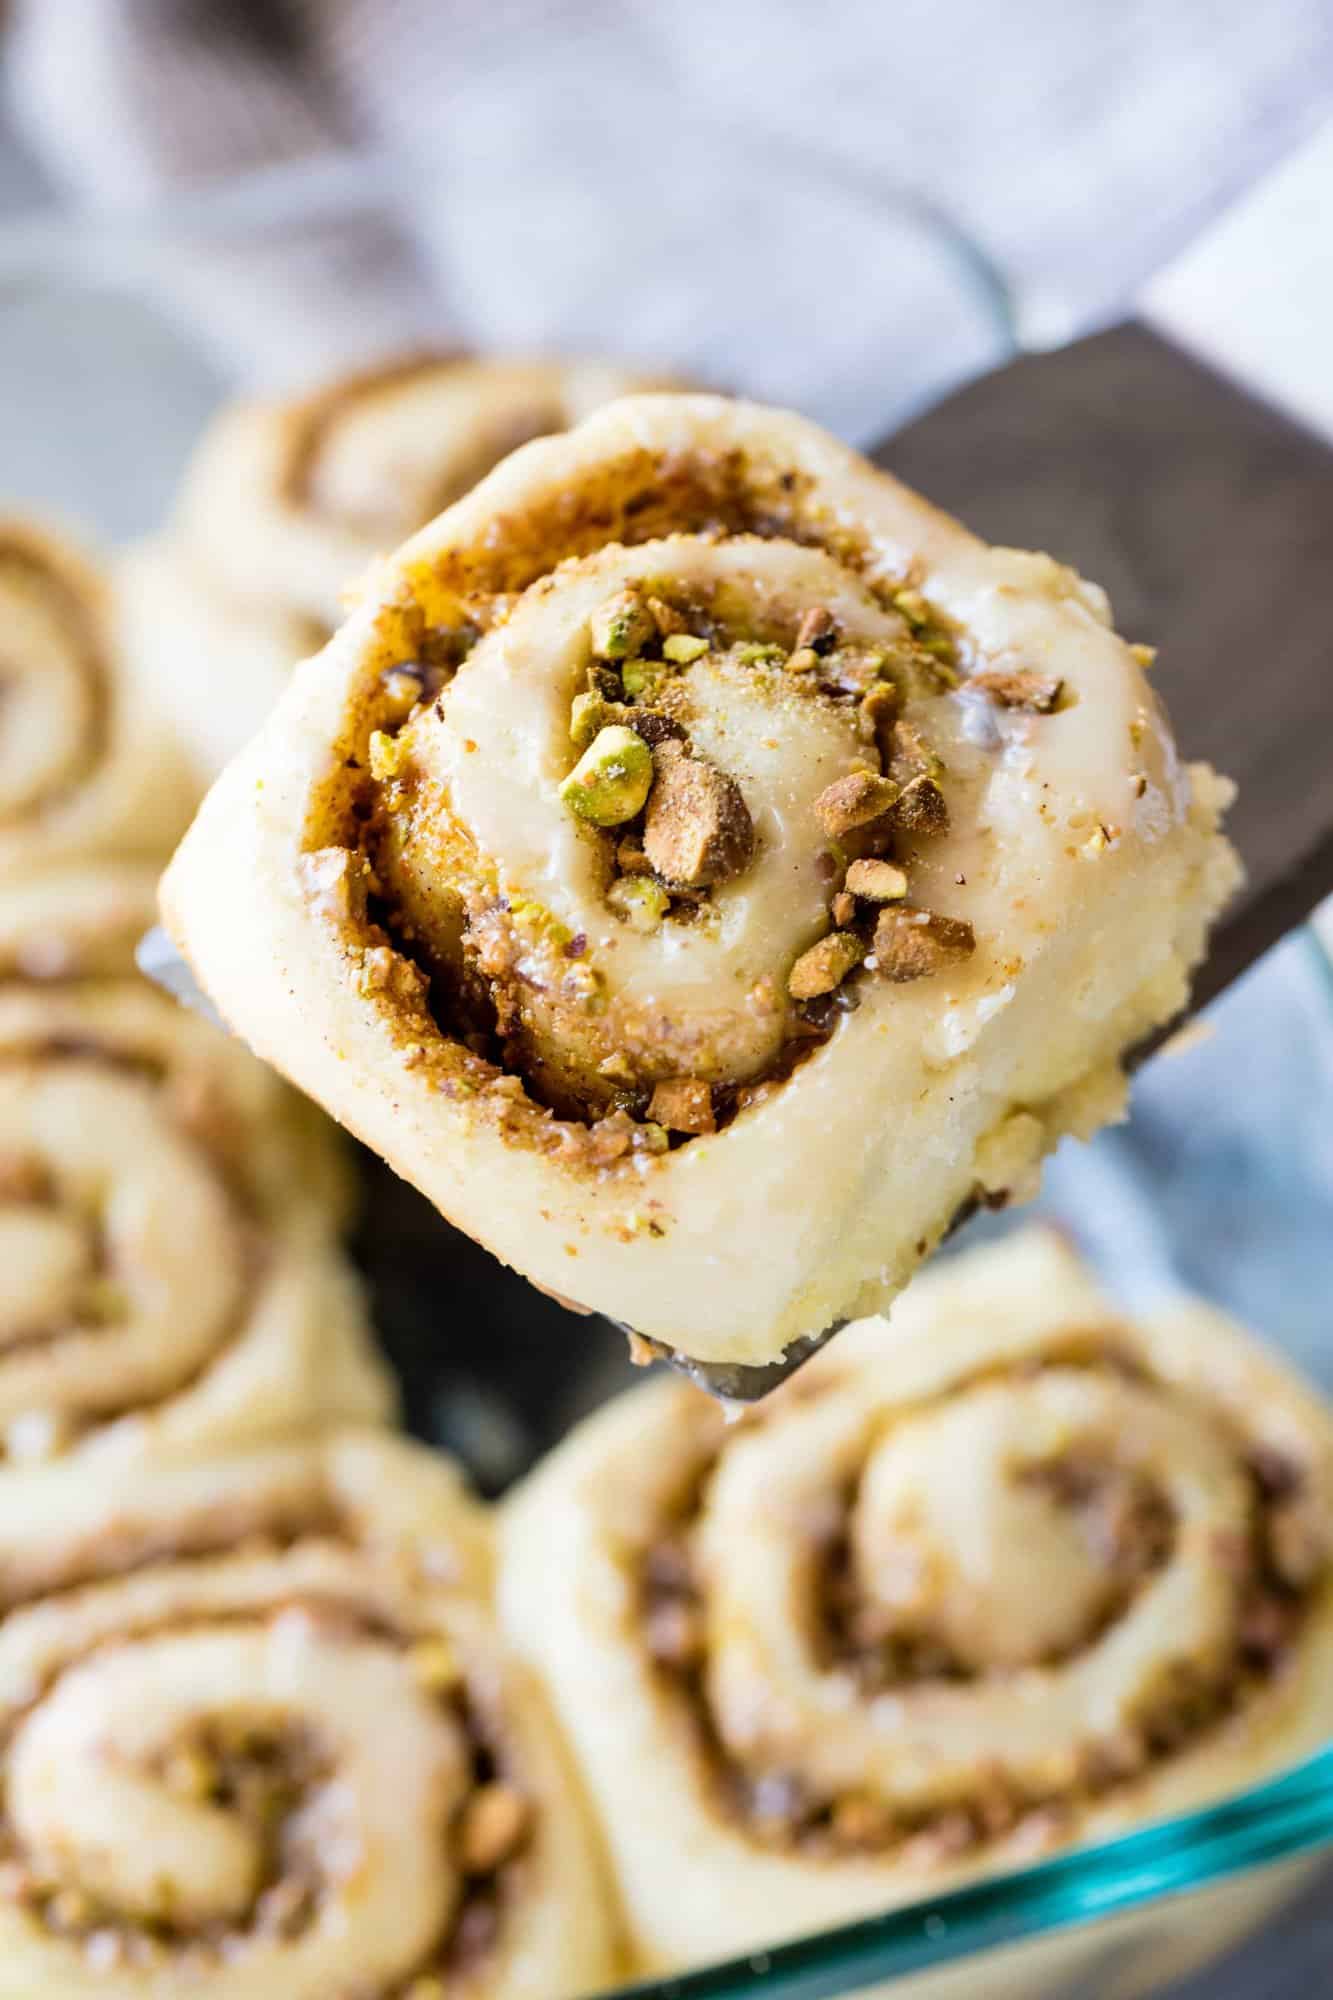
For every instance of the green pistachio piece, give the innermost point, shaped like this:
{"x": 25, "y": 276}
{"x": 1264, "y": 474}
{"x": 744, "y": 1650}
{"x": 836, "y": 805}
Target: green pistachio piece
{"x": 612, "y": 779}
{"x": 681, "y": 648}
{"x": 823, "y": 968}
{"x": 621, "y": 626}
{"x": 588, "y": 714}
{"x": 639, "y": 901}
{"x": 638, "y": 676}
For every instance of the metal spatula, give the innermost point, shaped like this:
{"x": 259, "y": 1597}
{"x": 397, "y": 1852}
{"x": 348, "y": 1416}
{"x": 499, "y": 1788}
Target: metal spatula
{"x": 1181, "y": 458}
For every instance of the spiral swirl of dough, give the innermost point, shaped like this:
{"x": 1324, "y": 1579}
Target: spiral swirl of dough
{"x": 703, "y": 869}
{"x": 284, "y": 505}
{"x": 259, "y": 1738}
{"x": 86, "y": 767}
{"x": 168, "y": 1216}
{"x": 76, "y": 919}
{"x": 1004, "y": 1573}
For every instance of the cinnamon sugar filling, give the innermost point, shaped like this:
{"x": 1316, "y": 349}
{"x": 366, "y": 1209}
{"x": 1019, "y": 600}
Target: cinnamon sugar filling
{"x": 1130, "y": 1531}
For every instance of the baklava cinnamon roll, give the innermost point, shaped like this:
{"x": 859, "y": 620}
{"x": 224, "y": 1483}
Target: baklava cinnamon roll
{"x": 259, "y": 1738}
{"x": 1003, "y": 1573}
{"x": 703, "y": 869}
{"x": 168, "y": 1216}
{"x": 79, "y": 918}
{"x": 86, "y": 765}
{"x": 286, "y": 504}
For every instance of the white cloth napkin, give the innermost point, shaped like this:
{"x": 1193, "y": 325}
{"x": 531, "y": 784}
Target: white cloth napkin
{"x": 1081, "y": 144}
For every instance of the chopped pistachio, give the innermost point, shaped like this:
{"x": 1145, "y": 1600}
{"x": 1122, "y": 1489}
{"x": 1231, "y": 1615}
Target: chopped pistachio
{"x": 875, "y": 716}
{"x": 683, "y": 1104}
{"x": 1144, "y": 655}
{"x": 912, "y": 605}
{"x": 856, "y": 800}
{"x": 911, "y": 756}
{"x": 922, "y": 808}
{"x": 803, "y": 661}
{"x": 877, "y": 881}
{"x": 653, "y": 726}
{"x": 1023, "y": 689}
{"x": 665, "y": 616}
{"x": 913, "y": 944}
{"x": 682, "y": 647}
{"x": 622, "y": 626}
{"x": 617, "y": 1067}
{"x": 386, "y": 755}
{"x": 940, "y": 647}
{"x": 612, "y": 779}
{"x": 697, "y": 831}
{"x": 639, "y": 901}
{"x": 816, "y": 631}
{"x": 638, "y": 676}
{"x": 823, "y": 968}
{"x": 843, "y": 909}
{"x": 653, "y": 1138}
{"x": 588, "y": 714}
{"x": 751, "y": 655}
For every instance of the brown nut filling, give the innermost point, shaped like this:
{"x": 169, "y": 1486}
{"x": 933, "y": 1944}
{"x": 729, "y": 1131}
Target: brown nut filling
{"x": 683, "y": 1104}
{"x": 1131, "y": 1534}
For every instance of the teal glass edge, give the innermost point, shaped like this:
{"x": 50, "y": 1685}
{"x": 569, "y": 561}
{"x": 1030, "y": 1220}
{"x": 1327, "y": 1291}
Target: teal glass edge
{"x": 1288, "y": 1816}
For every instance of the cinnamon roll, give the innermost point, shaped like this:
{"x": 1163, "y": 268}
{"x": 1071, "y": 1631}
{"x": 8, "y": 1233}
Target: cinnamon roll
{"x": 86, "y": 765}
{"x": 703, "y": 869}
{"x": 1003, "y": 1573}
{"x": 75, "y": 919}
{"x": 286, "y": 504}
{"x": 259, "y": 1738}
{"x": 171, "y": 1276}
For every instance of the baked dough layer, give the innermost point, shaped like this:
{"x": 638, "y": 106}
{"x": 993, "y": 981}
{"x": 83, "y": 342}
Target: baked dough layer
{"x": 87, "y": 764}
{"x": 368, "y": 865}
{"x": 1003, "y": 1573}
{"x": 286, "y": 504}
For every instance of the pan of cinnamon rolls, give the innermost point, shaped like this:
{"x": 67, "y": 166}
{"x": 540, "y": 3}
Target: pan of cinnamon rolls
{"x": 705, "y": 872}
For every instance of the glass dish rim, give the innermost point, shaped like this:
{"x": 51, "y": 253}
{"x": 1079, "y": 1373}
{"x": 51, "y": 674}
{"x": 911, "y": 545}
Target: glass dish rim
{"x": 1283, "y": 1818}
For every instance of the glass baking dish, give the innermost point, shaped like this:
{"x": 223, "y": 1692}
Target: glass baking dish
{"x": 119, "y": 332}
